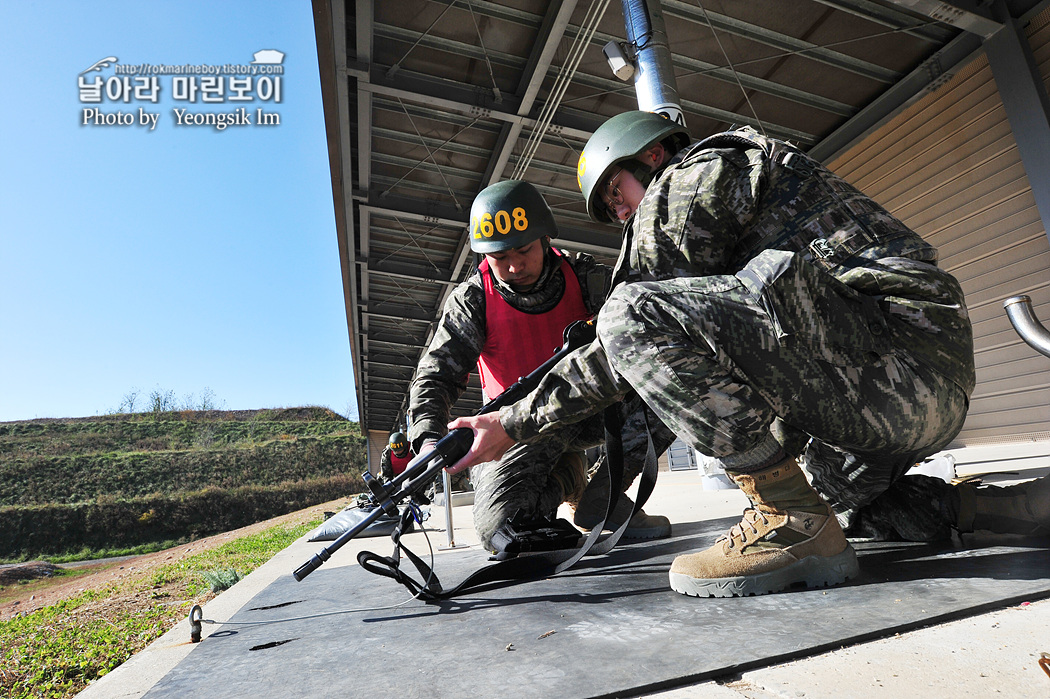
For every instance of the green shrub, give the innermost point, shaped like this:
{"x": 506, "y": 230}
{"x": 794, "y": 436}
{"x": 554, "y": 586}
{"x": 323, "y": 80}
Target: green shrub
{"x": 221, "y": 578}
{"x": 134, "y": 480}
{"x": 114, "y": 523}
{"x": 130, "y": 459}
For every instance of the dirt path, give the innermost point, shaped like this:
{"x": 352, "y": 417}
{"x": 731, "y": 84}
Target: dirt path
{"x": 44, "y": 591}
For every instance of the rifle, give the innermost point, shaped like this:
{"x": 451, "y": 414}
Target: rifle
{"x": 423, "y": 469}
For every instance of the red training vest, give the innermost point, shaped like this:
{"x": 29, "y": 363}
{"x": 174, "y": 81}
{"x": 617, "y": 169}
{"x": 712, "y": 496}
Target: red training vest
{"x": 398, "y": 463}
{"x": 518, "y": 342}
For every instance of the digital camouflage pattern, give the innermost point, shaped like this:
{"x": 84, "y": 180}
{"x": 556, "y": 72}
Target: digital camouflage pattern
{"x": 533, "y": 478}
{"x": 537, "y": 477}
{"x": 386, "y": 466}
{"x": 442, "y": 374}
{"x": 755, "y": 285}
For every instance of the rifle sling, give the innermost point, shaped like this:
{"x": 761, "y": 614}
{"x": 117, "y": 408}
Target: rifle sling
{"x": 534, "y": 565}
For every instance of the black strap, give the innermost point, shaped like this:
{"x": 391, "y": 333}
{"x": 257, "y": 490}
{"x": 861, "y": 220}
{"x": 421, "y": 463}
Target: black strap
{"x": 390, "y": 566}
{"x": 535, "y": 565}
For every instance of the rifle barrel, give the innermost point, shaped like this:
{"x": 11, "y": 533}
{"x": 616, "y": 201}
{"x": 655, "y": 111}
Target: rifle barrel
{"x": 449, "y": 449}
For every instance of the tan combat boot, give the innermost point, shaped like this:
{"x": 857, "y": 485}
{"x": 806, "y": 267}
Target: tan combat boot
{"x": 587, "y": 513}
{"x": 1017, "y": 509}
{"x": 789, "y": 537}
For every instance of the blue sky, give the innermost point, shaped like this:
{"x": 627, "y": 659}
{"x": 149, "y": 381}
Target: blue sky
{"x": 182, "y": 259}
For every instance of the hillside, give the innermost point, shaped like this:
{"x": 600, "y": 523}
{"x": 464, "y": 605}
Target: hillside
{"x": 129, "y": 479}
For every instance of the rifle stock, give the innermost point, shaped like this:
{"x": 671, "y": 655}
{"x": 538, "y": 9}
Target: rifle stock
{"x": 423, "y": 469}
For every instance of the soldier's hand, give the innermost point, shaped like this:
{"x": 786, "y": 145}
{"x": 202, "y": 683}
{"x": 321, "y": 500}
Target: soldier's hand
{"x": 491, "y": 441}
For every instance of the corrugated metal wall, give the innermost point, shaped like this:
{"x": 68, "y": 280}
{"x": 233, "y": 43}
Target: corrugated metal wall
{"x": 377, "y": 442}
{"x": 680, "y": 456}
{"x": 949, "y": 167}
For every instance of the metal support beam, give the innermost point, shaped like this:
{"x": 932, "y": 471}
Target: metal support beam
{"x": 465, "y": 99}
{"x": 391, "y": 364}
{"x": 968, "y": 15}
{"x": 331, "y": 54}
{"x": 592, "y": 240}
{"x": 398, "y": 312}
{"x": 607, "y": 85}
{"x": 405, "y": 270}
{"x": 391, "y": 33}
{"x": 1027, "y": 106}
{"x": 386, "y": 386}
{"x": 551, "y": 31}
{"x": 388, "y": 374}
{"x": 363, "y": 20}
{"x": 397, "y": 340}
{"x": 934, "y": 72}
{"x": 427, "y": 165}
{"x": 787, "y": 44}
{"x": 692, "y": 66}
{"x": 391, "y": 405}
{"x": 430, "y": 213}
{"x": 896, "y": 20}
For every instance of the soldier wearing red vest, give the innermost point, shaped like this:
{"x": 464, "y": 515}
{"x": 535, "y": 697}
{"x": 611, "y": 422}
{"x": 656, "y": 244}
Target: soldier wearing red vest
{"x": 395, "y": 457}
{"x": 504, "y": 321}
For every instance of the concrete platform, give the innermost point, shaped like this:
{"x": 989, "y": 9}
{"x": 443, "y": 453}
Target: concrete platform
{"x": 946, "y": 623}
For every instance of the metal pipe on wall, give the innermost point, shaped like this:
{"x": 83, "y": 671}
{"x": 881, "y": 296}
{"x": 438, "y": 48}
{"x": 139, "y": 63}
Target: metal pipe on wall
{"x": 1022, "y": 317}
{"x": 654, "y": 81}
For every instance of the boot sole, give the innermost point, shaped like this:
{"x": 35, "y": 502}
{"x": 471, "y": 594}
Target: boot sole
{"x": 813, "y": 571}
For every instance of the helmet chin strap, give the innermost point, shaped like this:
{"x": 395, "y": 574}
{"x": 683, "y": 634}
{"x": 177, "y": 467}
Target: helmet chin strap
{"x": 646, "y": 174}
{"x": 640, "y": 171}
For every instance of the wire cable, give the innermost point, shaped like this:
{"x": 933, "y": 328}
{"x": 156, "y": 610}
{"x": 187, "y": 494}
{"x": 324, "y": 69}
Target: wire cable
{"x": 397, "y": 66}
{"x": 485, "y": 52}
{"x": 430, "y": 546}
{"x": 761, "y": 126}
{"x": 568, "y": 69}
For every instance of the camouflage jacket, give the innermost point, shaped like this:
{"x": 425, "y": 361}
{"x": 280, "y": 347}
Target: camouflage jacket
{"x": 719, "y": 203}
{"x": 442, "y": 374}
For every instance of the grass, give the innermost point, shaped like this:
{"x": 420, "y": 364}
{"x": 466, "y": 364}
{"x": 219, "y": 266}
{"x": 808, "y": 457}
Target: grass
{"x": 76, "y": 460}
{"x": 55, "y": 652}
{"x": 141, "y": 481}
{"x": 90, "y": 554}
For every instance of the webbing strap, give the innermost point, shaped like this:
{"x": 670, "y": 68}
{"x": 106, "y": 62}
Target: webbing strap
{"x": 535, "y": 565}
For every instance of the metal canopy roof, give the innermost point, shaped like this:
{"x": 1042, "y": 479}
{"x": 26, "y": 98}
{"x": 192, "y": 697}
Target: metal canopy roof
{"x": 427, "y": 102}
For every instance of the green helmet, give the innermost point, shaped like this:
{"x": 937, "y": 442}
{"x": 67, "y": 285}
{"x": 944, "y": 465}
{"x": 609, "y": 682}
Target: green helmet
{"x": 399, "y": 443}
{"x": 623, "y": 137}
{"x": 508, "y": 215}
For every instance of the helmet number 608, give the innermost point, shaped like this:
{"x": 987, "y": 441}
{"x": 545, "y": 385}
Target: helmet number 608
{"x": 487, "y": 224}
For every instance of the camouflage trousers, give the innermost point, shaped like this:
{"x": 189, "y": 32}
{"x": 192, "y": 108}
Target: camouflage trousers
{"x": 732, "y": 362}
{"x": 526, "y": 479}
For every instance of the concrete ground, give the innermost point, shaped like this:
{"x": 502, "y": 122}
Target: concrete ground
{"x": 991, "y": 654}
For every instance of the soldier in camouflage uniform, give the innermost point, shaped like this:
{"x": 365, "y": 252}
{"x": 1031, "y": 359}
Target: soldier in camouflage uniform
{"x": 522, "y": 267}
{"x": 760, "y": 299}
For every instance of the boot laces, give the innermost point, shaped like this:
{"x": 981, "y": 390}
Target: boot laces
{"x": 739, "y": 531}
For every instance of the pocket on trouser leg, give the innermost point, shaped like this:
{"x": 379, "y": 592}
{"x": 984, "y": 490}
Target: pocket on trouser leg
{"x": 835, "y": 322}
